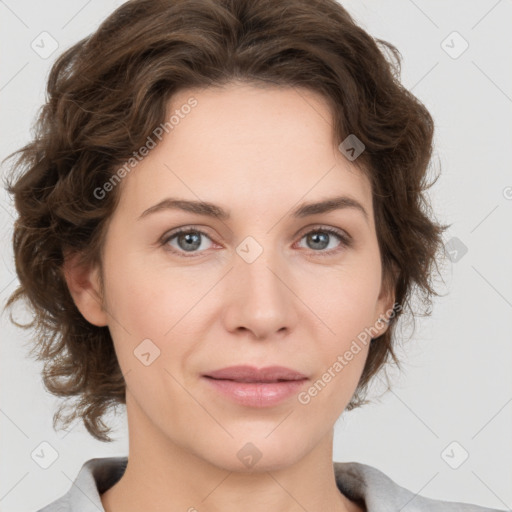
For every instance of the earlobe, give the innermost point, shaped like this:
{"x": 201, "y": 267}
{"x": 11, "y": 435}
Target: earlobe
{"x": 84, "y": 286}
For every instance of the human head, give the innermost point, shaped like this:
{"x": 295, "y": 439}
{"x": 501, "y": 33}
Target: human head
{"x": 108, "y": 93}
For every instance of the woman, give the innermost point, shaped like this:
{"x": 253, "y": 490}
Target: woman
{"x": 221, "y": 219}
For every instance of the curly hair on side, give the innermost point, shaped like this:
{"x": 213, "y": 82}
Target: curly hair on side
{"x": 108, "y": 92}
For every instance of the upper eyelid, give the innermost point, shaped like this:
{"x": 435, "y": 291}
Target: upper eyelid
{"x": 305, "y": 230}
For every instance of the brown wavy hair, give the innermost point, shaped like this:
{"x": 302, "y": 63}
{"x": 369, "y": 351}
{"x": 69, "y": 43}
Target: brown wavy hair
{"x": 108, "y": 92}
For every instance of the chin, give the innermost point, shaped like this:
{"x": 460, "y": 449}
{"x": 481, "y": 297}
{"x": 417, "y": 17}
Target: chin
{"x": 256, "y": 453}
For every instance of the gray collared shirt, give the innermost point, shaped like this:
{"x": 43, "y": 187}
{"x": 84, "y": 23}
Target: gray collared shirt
{"x": 359, "y": 482}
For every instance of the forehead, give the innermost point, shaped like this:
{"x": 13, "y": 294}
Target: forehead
{"x": 245, "y": 144}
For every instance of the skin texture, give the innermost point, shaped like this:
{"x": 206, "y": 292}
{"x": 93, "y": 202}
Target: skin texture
{"x": 258, "y": 152}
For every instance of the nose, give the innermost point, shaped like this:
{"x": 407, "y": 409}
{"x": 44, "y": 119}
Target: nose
{"x": 260, "y": 297}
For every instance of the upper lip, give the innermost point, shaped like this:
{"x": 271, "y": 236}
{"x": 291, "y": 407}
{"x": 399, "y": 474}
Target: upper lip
{"x": 247, "y": 373}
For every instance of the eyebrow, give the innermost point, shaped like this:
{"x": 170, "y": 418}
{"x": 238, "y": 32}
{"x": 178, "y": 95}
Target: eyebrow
{"x": 217, "y": 212}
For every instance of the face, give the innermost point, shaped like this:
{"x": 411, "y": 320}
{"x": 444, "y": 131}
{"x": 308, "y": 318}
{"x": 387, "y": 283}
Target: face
{"x": 263, "y": 286}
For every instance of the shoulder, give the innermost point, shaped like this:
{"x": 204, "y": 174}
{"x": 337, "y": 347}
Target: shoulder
{"x": 380, "y": 493}
{"x": 95, "y": 477}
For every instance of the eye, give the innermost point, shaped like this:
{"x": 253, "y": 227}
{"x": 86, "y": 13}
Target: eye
{"x": 188, "y": 239}
{"x": 321, "y": 237}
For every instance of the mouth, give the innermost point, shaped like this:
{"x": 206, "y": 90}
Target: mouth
{"x": 252, "y": 387}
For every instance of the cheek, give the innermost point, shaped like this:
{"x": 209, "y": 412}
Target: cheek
{"x": 345, "y": 299}
{"x": 343, "y": 347}
{"x": 346, "y": 304}
{"x": 139, "y": 296}
{"x": 150, "y": 303}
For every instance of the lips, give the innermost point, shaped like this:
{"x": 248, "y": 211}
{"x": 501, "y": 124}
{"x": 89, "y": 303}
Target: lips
{"x": 256, "y": 388}
{"x": 245, "y": 373}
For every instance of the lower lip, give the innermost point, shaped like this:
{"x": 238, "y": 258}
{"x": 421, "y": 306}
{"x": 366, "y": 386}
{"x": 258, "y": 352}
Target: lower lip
{"x": 253, "y": 394}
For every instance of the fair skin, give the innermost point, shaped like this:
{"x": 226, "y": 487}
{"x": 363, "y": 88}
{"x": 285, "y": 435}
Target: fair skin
{"x": 258, "y": 152}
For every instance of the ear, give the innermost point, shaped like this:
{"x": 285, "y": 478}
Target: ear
{"x": 84, "y": 286}
{"x": 385, "y": 303}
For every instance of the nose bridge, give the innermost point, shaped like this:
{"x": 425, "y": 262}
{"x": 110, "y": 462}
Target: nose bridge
{"x": 256, "y": 267}
{"x": 260, "y": 298}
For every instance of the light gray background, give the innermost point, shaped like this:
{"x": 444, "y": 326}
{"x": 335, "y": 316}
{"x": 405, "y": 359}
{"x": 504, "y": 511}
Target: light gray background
{"x": 457, "y": 384}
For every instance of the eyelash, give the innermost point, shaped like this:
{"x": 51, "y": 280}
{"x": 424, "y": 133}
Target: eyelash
{"x": 345, "y": 240}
